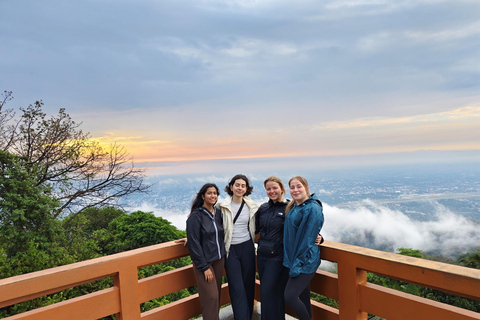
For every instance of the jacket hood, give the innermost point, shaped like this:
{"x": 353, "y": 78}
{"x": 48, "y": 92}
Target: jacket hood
{"x": 313, "y": 198}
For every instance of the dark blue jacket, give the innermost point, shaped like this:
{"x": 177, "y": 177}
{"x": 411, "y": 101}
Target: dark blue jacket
{"x": 205, "y": 237}
{"x": 269, "y": 221}
{"x": 302, "y": 226}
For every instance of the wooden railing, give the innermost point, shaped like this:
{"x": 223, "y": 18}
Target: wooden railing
{"x": 356, "y": 297}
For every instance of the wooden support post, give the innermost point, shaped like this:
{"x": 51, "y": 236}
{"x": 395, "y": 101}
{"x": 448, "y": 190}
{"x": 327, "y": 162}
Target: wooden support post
{"x": 349, "y": 278}
{"x": 127, "y": 283}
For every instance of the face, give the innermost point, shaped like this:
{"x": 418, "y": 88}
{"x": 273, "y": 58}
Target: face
{"x": 298, "y": 191}
{"x": 274, "y": 191}
{"x": 210, "y": 197}
{"x": 239, "y": 187}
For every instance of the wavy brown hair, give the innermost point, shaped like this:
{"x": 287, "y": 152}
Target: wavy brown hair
{"x": 232, "y": 182}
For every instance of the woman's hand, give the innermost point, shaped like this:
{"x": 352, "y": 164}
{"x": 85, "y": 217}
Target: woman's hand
{"x": 184, "y": 241}
{"x": 319, "y": 240}
{"x": 208, "y": 275}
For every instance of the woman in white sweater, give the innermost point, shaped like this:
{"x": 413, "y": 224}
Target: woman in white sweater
{"x": 238, "y": 212}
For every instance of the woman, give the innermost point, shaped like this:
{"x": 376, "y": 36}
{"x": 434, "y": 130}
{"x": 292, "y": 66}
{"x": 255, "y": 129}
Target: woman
{"x": 270, "y": 219}
{"x": 273, "y": 275}
{"x": 303, "y": 222}
{"x": 205, "y": 240}
{"x": 238, "y": 212}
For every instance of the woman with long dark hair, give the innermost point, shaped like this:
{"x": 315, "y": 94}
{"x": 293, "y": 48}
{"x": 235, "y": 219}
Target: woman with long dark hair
{"x": 303, "y": 222}
{"x": 205, "y": 241}
{"x": 238, "y": 212}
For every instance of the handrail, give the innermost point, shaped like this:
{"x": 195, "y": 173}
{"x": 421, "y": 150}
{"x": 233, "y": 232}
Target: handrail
{"x": 356, "y": 297}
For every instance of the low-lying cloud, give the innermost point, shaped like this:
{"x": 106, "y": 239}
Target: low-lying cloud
{"x": 378, "y": 227}
{"x": 369, "y": 224}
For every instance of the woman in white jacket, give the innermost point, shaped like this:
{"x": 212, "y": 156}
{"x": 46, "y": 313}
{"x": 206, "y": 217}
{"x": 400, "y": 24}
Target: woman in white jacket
{"x": 238, "y": 212}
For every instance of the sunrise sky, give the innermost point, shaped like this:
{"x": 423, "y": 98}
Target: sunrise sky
{"x": 180, "y": 81}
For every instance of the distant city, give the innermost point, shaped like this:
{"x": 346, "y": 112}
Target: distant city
{"x": 435, "y": 208}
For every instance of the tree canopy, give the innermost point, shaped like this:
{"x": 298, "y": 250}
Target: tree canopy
{"x": 56, "y": 152}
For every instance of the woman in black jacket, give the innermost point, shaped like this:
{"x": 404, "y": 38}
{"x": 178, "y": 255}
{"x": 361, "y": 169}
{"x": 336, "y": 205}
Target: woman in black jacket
{"x": 273, "y": 275}
{"x": 205, "y": 237}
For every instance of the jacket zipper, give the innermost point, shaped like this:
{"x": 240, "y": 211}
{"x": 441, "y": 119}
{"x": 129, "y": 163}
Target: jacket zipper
{"x": 216, "y": 232}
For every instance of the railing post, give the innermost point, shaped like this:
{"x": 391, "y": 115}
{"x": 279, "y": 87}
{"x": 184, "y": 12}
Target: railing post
{"x": 126, "y": 280}
{"x": 349, "y": 277}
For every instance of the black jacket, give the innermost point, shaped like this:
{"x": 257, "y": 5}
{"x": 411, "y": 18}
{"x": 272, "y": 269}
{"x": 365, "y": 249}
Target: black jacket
{"x": 205, "y": 237}
{"x": 270, "y": 219}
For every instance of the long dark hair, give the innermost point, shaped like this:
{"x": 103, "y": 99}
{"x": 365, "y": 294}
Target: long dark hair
{"x": 198, "y": 201}
{"x": 232, "y": 182}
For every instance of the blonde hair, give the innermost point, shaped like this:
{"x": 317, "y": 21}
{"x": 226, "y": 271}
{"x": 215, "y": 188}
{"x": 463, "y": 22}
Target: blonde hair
{"x": 304, "y": 182}
{"x": 277, "y": 180}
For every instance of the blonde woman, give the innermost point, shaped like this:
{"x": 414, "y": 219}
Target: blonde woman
{"x": 303, "y": 222}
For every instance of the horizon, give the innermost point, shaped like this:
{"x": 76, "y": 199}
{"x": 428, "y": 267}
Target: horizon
{"x": 298, "y": 164}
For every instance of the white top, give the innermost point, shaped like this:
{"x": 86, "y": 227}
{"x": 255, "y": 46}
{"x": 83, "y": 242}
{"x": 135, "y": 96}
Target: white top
{"x": 240, "y": 228}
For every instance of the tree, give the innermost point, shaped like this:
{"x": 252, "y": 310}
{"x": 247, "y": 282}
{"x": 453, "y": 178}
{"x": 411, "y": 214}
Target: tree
{"x": 54, "y": 149}
{"x": 140, "y": 229}
{"x": 471, "y": 260}
{"x": 5, "y": 116}
{"x": 25, "y": 206}
{"x": 411, "y": 252}
{"x": 30, "y": 238}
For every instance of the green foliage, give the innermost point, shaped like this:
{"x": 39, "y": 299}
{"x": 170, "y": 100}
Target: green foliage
{"x": 471, "y": 260}
{"x": 139, "y": 229}
{"x": 80, "y": 239}
{"x": 325, "y": 300}
{"x": 411, "y": 252}
{"x": 424, "y": 291}
{"x": 25, "y": 206}
{"x": 87, "y": 232}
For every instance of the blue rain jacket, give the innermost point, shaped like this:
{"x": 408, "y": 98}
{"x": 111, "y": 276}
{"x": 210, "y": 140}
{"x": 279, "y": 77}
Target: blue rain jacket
{"x": 302, "y": 226}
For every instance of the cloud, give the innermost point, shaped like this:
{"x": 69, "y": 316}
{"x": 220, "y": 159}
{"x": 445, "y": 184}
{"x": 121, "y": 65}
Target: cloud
{"x": 465, "y": 31}
{"x": 375, "y": 226}
{"x": 369, "y": 224}
{"x": 471, "y": 113}
{"x": 222, "y": 79}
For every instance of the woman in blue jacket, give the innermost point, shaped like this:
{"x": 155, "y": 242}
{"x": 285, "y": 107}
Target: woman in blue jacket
{"x": 303, "y": 222}
{"x": 205, "y": 237}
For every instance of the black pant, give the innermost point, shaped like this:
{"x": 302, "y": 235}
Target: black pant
{"x": 297, "y": 295}
{"x": 273, "y": 279}
{"x": 240, "y": 269}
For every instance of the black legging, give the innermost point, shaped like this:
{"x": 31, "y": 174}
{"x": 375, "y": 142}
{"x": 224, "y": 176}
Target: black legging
{"x": 297, "y": 295}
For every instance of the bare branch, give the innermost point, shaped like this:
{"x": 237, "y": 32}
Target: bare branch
{"x": 81, "y": 172}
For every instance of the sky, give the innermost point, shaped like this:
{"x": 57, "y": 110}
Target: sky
{"x": 179, "y": 83}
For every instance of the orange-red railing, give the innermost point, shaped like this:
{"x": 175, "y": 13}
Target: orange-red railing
{"x": 356, "y": 297}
